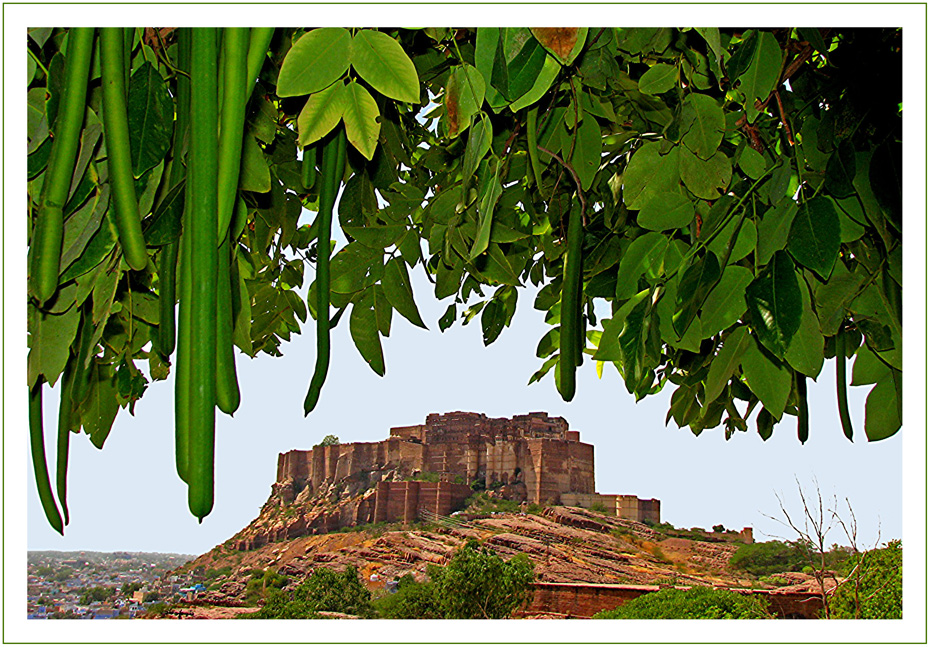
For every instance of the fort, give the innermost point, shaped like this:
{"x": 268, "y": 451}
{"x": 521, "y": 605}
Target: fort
{"x": 435, "y": 466}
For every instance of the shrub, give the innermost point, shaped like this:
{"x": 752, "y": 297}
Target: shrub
{"x": 880, "y": 586}
{"x": 476, "y": 583}
{"x": 597, "y": 506}
{"x": 696, "y": 602}
{"x": 324, "y": 590}
{"x": 767, "y": 557}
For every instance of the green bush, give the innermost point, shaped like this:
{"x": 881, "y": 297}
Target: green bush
{"x": 261, "y": 583}
{"x": 880, "y": 586}
{"x": 324, "y": 590}
{"x": 412, "y": 600}
{"x": 768, "y": 557}
{"x": 696, "y": 602}
{"x": 476, "y": 583}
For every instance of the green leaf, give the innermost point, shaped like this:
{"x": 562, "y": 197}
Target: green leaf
{"x": 498, "y": 313}
{"x": 354, "y": 268}
{"x": 684, "y": 406}
{"x": 760, "y": 77}
{"x": 49, "y": 341}
{"x": 165, "y": 224}
{"x": 696, "y": 283}
{"x": 361, "y": 118}
{"x": 752, "y": 163}
{"x": 658, "y": 79}
{"x": 805, "y": 351}
{"x": 321, "y": 114}
{"x": 254, "y": 174}
{"x": 448, "y": 317}
{"x": 396, "y": 285}
{"x": 464, "y": 95}
{"x": 383, "y": 310}
{"x": 707, "y": 179}
{"x": 666, "y": 211}
{"x": 726, "y": 302}
{"x": 479, "y": 143}
{"x": 691, "y": 339}
{"x": 490, "y": 191}
{"x": 702, "y": 124}
{"x": 96, "y": 249}
{"x": 383, "y": 64}
{"x": 814, "y": 239}
{"x": 868, "y": 369}
{"x": 363, "y": 326}
{"x": 725, "y": 363}
{"x": 519, "y": 61}
{"x": 375, "y": 236}
{"x": 550, "y": 70}
{"x": 832, "y": 299}
{"x": 774, "y": 228}
{"x": 645, "y": 255}
{"x": 883, "y": 410}
{"x": 99, "y": 410}
{"x": 640, "y": 346}
{"x": 774, "y": 303}
{"x": 609, "y": 348}
{"x": 150, "y": 111}
{"x": 841, "y": 170}
{"x": 769, "y": 379}
{"x": 650, "y": 173}
{"x": 765, "y": 423}
{"x": 745, "y": 243}
{"x": 586, "y": 157}
{"x": 315, "y": 61}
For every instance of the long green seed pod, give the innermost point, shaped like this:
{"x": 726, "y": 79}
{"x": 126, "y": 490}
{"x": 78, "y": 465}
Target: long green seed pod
{"x": 40, "y": 469}
{"x": 65, "y": 407}
{"x": 531, "y": 117}
{"x": 259, "y": 41}
{"x": 227, "y": 384}
{"x": 49, "y": 225}
{"x": 571, "y": 338}
{"x": 116, "y": 130}
{"x": 232, "y": 122}
{"x": 168, "y": 258}
{"x": 308, "y": 167}
{"x": 182, "y": 372}
{"x": 841, "y": 398}
{"x": 202, "y": 197}
{"x": 333, "y": 166}
{"x": 803, "y": 414}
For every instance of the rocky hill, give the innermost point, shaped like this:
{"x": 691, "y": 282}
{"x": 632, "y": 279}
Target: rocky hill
{"x": 565, "y": 545}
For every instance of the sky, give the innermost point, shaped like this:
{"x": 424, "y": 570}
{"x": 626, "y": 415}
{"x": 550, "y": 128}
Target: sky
{"x": 128, "y": 496}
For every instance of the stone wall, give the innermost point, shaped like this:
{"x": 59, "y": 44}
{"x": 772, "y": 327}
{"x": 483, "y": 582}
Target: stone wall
{"x": 625, "y": 506}
{"x": 403, "y": 501}
{"x": 583, "y": 600}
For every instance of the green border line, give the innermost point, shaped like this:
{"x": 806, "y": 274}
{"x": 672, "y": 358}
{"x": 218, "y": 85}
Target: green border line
{"x": 3, "y": 318}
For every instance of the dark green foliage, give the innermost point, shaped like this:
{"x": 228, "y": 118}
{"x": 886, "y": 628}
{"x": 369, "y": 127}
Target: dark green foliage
{"x": 768, "y": 557}
{"x": 261, "y": 583}
{"x": 731, "y": 178}
{"x": 693, "y": 603}
{"x": 880, "y": 585}
{"x": 412, "y": 600}
{"x": 324, "y": 590}
{"x": 476, "y": 584}
{"x": 328, "y": 440}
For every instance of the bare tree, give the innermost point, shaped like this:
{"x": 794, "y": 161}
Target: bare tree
{"x": 817, "y": 522}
